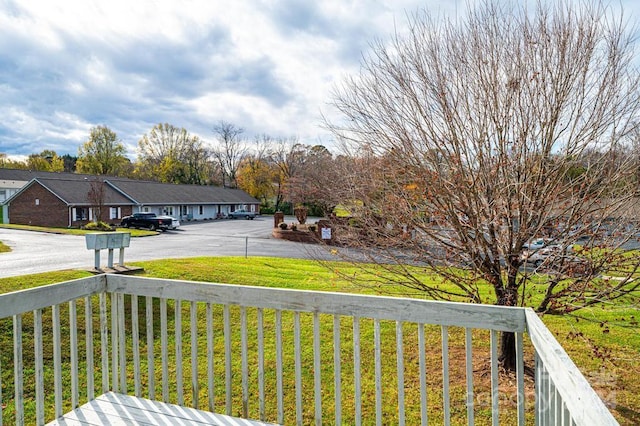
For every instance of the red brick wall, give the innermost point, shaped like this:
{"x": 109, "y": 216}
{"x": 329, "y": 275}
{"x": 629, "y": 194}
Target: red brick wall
{"x": 50, "y": 211}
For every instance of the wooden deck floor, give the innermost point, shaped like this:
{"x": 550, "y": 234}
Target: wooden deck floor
{"x": 117, "y": 409}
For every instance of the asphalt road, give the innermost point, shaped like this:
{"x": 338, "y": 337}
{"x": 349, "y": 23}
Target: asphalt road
{"x": 34, "y": 252}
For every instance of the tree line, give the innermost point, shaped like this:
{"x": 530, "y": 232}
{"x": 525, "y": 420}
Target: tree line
{"x": 280, "y": 172}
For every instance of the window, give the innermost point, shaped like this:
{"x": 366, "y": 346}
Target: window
{"x": 37, "y": 201}
{"x": 168, "y": 210}
{"x": 80, "y": 213}
{"x": 115, "y": 213}
{"x": 200, "y": 210}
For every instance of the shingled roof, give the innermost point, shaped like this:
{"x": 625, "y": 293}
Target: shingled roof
{"x": 27, "y": 175}
{"x": 75, "y": 192}
{"x": 150, "y": 193}
{"x": 73, "y": 188}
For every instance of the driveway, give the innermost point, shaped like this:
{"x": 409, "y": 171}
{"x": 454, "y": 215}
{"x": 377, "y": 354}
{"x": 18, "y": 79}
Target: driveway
{"x": 34, "y": 252}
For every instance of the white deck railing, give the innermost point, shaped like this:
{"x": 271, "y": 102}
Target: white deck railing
{"x": 279, "y": 355}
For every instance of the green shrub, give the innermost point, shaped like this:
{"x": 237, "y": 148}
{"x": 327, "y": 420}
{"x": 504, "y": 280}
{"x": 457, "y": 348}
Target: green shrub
{"x": 99, "y": 226}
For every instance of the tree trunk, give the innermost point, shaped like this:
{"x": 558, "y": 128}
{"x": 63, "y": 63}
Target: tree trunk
{"x": 507, "y": 356}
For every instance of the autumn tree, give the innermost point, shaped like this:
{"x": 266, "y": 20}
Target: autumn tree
{"x": 229, "y": 151}
{"x": 8, "y": 163}
{"x": 46, "y": 161}
{"x": 170, "y": 154}
{"x": 102, "y": 154}
{"x": 256, "y": 173}
{"x": 470, "y": 137}
{"x": 286, "y": 156}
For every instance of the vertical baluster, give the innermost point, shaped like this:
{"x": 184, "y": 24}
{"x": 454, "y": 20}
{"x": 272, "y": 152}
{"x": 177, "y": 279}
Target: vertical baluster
{"x": 469, "y": 368}
{"x": 210, "y": 383}
{"x": 423, "y": 375}
{"x": 73, "y": 352}
{"x": 18, "y": 377}
{"x": 495, "y": 396}
{"x": 114, "y": 342}
{"x": 164, "y": 350}
{"x": 195, "y": 384}
{"x": 553, "y": 420}
{"x": 378, "y": 370}
{"x": 244, "y": 363}
{"x": 122, "y": 344}
{"x": 227, "y": 353}
{"x": 298, "y": 366}
{"x": 557, "y": 403}
{"x": 356, "y": 371}
{"x": 337, "y": 369}
{"x": 90, "y": 367}
{"x": 57, "y": 363}
{"x": 446, "y": 399}
{"x": 178, "y": 341}
{"x": 537, "y": 389}
{"x": 151, "y": 379}
{"x": 1, "y": 403}
{"x": 279, "y": 366}
{"x": 317, "y": 372}
{"x": 400, "y": 372}
{"x": 104, "y": 342}
{"x": 39, "y": 365}
{"x": 261, "y": 364}
{"x": 135, "y": 343}
{"x": 520, "y": 377}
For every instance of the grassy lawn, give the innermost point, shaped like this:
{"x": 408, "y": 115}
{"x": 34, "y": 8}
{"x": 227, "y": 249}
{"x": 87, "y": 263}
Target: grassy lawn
{"x": 603, "y": 342}
{"x": 75, "y": 231}
{"x": 4, "y": 248}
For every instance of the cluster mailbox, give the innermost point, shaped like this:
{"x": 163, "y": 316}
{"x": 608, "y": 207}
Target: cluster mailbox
{"x": 108, "y": 240}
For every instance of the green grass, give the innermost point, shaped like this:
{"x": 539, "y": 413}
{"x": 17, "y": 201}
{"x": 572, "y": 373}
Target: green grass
{"x": 75, "y": 231}
{"x": 4, "y": 248}
{"x": 603, "y": 342}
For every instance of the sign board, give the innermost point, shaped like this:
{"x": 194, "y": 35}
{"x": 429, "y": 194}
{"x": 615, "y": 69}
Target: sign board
{"x": 326, "y": 233}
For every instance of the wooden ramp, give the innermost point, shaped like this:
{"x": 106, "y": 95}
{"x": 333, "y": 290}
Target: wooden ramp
{"x": 117, "y": 409}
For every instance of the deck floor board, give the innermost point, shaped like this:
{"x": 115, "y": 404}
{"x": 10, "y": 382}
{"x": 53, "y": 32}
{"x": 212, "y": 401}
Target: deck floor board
{"x": 118, "y": 409}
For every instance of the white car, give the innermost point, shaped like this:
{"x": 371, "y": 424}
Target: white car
{"x": 538, "y": 256}
{"x": 175, "y": 223}
{"x": 536, "y": 244}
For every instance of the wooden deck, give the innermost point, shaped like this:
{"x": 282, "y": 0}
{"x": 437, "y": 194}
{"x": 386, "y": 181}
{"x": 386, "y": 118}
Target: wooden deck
{"x": 118, "y": 409}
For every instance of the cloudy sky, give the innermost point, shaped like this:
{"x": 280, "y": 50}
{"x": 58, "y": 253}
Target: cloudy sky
{"x": 267, "y": 66}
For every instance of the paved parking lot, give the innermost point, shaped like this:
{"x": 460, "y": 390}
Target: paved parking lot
{"x": 34, "y": 252}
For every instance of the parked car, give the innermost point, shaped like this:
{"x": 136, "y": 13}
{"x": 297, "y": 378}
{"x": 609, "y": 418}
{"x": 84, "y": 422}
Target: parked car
{"x": 536, "y": 244}
{"x": 242, "y": 214}
{"x": 175, "y": 223}
{"x": 557, "y": 251}
{"x": 147, "y": 220}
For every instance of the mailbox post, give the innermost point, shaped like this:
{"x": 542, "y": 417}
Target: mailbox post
{"x": 107, "y": 240}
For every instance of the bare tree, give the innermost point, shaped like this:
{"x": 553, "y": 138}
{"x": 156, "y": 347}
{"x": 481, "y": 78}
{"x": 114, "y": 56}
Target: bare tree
{"x": 96, "y": 197}
{"x": 229, "y": 152}
{"x": 470, "y": 138}
{"x": 285, "y": 156}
